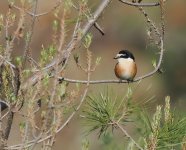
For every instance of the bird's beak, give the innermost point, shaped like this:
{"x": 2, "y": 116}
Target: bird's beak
{"x": 117, "y": 56}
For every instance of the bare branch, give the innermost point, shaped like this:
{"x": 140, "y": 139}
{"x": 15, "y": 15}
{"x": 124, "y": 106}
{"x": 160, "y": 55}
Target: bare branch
{"x": 97, "y": 26}
{"x": 162, "y": 2}
{"x": 34, "y": 79}
{"x": 140, "y": 4}
{"x": 39, "y": 139}
{"x": 30, "y": 34}
{"x": 150, "y": 22}
{"x": 124, "y": 81}
{"x": 47, "y": 133}
{"x": 127, "y": 135}
{"x": 6, "y": 61}
{"x": 141, "y": 77}
{"x": 40, "y": 14}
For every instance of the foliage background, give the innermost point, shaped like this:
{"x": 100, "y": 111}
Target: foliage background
{"x": 125, "y": 29}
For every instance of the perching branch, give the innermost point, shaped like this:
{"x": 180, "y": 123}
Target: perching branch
{"x": 55, "y": 69}
{"x": 118, "y": 81}
{"x": 140, "y": 4}
{"x": 156, "y": 69}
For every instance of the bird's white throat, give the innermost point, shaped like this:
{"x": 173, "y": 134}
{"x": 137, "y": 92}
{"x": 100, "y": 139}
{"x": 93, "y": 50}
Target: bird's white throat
{"x": 125, "y": 60}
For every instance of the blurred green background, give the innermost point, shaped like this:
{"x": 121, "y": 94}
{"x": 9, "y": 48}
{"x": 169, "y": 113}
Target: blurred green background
{"x": 125, "y": 28}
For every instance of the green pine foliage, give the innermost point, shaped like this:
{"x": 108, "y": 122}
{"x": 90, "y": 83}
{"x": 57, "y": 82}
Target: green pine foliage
{"x": 105, "y": 108}
{"x": 164, "y": 131}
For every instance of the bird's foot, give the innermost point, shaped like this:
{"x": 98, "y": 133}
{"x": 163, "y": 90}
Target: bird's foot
{"x": 120, "y": 80}
{"x": 129, "y": 80}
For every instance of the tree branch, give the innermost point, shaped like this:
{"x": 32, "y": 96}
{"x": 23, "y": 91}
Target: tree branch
{"x": 40, "y": 139}
{"x": 127, "y": 135}
{"x": 30, "y": 34}
{"x": 39, "y": 14}
{"x": 140, "y": 4}
{"x": 67, "y": 51}
{"x": 124, "y": 81}
{"x": 96, "y": 25}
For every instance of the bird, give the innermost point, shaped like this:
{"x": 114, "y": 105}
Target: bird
{"x": 126, "y": 68}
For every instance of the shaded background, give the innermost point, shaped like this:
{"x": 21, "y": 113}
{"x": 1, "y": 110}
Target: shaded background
{"x": 125, "y": 28}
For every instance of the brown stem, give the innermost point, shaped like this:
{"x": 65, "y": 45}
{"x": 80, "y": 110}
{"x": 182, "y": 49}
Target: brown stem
{"x": 31, "y": 31}
{"x": 128, "y": 135}
{"x": 34, "y": 79}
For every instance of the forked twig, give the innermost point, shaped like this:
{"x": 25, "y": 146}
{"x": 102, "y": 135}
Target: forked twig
{"x": 67, "y": 51}
{"x": 156, "y": 69}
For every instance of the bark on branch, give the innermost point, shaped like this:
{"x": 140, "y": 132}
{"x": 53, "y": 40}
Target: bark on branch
{"x": 72, "y": 44}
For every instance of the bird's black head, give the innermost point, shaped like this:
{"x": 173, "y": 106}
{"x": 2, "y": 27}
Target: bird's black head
{"x": 124, "y": 54}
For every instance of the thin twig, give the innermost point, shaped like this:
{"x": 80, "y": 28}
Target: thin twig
{"x": 138, "y": 78}
{"x": 34, "y": 79}
{"x": 128, "y": 135}
{"x": 150, "y": 22}
{"x": 7, "y": 36}
{"x": 40, "y": 14}
{"x": 8, "y": 62}
{"x": 162, "y": 9}
{"x": 40, "y": 139}
{"x": 34, "y": 63}
{"x": 30, "y": 34}
{"x": 140, "y": 4}
{"x": 96, "y": 25}
{"x": 124, "y": 81}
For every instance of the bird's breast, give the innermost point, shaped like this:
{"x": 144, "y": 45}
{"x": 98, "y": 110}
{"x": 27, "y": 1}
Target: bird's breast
{"x": 126, "y": 70}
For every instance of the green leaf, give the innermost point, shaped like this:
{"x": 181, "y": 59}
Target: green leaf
{"x": 18, "y": 60}
{"x": 76, "y": 58}
{"x": 154, "y": 64}
{"x": 22, "y": 125}
{"x": 88, "y": 40}
{"x": 98, "y": 60}
{"x": 85, "y": 144}
{"x": 55, "y": 25}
